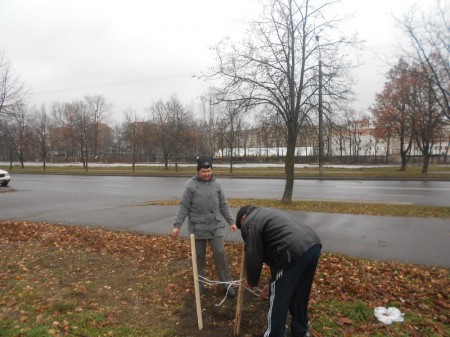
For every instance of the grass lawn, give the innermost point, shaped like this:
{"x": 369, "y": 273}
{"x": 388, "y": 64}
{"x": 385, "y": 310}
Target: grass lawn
{"x": 301, "y": 171}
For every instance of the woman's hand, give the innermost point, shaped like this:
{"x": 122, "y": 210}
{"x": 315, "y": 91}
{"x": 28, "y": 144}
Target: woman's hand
{"x": 233, "y": 227}
{"x": 175, "y": 232}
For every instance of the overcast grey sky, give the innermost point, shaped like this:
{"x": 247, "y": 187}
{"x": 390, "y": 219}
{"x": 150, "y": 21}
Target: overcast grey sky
{"x": 135, "y": 52}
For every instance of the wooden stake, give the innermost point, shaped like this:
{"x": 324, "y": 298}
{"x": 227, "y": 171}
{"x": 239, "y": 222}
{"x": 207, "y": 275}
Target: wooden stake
{"x": 196, "y": 286}
{"x": 240, "y": 298}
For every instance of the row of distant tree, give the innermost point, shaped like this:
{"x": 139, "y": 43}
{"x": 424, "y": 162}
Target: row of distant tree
{"x": 414, "y": 106}
{"x": 272, "y": 75}
{"x": 167, "y": 132}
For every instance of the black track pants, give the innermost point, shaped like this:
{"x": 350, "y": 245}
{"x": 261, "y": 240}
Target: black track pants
{"x": 289, "y": 292}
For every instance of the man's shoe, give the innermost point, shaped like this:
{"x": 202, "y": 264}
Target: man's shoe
{"x": 305, "y": 334}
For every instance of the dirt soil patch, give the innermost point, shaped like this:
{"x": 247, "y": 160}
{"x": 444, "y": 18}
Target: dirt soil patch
{"x": 58, "y": 280}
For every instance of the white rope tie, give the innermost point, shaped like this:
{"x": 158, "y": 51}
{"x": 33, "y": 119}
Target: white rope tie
{"x": 229, "y": 284}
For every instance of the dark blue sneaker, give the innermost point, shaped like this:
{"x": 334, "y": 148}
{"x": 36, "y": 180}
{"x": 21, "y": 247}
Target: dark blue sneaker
{"x": 306, "y": 334}
{"x": 231, "y": 292}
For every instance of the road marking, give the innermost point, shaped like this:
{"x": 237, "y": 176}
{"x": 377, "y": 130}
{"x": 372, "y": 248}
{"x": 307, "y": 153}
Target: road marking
{"x": 396, "y": 188}
{"x": 397, "y": 195}
{"x": 53, "y": 179}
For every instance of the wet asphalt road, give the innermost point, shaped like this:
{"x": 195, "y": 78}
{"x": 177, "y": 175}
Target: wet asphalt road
{"x": 121, "y": 203}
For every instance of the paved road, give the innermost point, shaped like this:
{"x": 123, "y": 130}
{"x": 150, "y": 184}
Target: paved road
{"x": 117, "y": 203}
{"x": 139, "y": 189}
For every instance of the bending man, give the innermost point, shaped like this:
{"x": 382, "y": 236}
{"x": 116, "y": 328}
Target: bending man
{"x": 291, "y": 250}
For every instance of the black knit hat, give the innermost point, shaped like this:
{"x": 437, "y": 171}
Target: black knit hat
{"x": 204, "y": 162}
{"x": 243, "y": 210}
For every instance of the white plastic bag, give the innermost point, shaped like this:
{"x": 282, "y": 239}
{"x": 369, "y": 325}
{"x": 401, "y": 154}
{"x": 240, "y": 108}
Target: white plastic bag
{"x": 389, "y": 315}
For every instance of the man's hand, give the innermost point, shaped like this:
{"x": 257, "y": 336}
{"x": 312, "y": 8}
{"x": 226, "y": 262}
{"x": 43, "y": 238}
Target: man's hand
{"x": 233, "y": 227}
{"x": 265, "y": 293}
{"x": 175, "y": 232}
{"x": 245, "y": 284}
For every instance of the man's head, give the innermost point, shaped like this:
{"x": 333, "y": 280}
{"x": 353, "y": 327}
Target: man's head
{"x": 243, "y": 211}
{"x": 204, "y": 168}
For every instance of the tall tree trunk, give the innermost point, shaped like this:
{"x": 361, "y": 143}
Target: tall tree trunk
{"x": 388, "y": 147}
{"x": 426, "y": 161}
{"x": 231, "y": 158}
{"x": 86, "y": 156}
{"x": 134, "y": 158}
{"x": 446, "y": 153}
{"x": 289, "y": 166}
{"x": 166, "y": 162}
{"x": 11, "y": 153}
{"x": 426, "y": 154}
{"x": 403, "y": 155}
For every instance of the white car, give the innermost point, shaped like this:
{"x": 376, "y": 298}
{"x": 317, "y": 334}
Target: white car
{"x": 4, "y": 177}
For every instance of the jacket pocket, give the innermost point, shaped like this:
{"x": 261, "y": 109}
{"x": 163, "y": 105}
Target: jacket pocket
{"x": 202, "y": 227}
{"x": 196, "y": 219}
{"x": 282, "y": 257}
{"x": 219, "y": 222}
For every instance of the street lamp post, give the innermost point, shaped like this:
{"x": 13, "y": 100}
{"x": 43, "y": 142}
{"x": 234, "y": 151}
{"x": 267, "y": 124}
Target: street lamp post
{"x": 320, "y": 112}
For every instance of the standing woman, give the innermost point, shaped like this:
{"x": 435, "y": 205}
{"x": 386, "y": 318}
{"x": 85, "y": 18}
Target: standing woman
{"x": 204, "y": 203}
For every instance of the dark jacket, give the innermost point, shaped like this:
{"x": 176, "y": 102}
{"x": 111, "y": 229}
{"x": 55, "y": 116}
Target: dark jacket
{"x": 204, "y": 203}
{"x": 276, "y": 238}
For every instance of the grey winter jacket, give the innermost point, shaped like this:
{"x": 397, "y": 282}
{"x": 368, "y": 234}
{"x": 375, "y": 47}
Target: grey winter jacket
{"x": 276, "y": 238}
{"x": 204, "y": 203}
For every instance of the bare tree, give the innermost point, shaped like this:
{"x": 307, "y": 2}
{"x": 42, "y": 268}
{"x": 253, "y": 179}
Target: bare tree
{"x": 12, "y": 91}
{"x": 270, "y": 133}
{"x": 97, "y": 107}
{"x": 231, "y": 124}
{"x": 352, "y": 137}
{"x": 17, "y": 130}
{"x": 133, "y": 133}
{"x": 171, "y": 128}
{"x": 277, "y": 66}
{"x": 118, "y": 144}
{"x": 83, "y": 122}
{"x": 265, "y": 135}
{"x": 211, "y": 119}
{"x": 62, "y": 136}
{"x": 428, "y": 117}
{"x": 340, "y": 135}
{"x": 42, "y": 126}
{"x": 429, "y": 37}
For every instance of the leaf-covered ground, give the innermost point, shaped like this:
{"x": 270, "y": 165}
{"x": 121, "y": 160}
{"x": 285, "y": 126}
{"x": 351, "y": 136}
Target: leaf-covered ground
{"x": 58, "y": 280}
